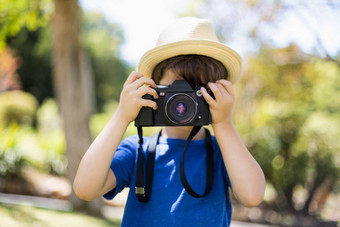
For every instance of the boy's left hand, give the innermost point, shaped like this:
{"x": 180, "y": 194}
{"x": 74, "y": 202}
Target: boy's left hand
{"x": 221, "y": 106}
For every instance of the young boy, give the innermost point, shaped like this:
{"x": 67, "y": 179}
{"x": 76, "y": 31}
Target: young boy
{"x": 187, "y": 50}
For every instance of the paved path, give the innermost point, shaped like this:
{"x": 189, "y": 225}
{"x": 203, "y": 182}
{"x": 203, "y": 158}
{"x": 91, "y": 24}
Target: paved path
{"x": 41, "y": 202}
{"x": 246, "y": 224}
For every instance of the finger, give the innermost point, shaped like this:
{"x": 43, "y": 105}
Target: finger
{"x": 222, "y": 90}
{"x": 132, "y": 77}
{"x": 143, "y": 81}
{"x": 224, "y": 93}
{"x": 147, "y": 90}
{"x": 207, "y": 97}
{"x": 228, "y": 86}
{"x": 148, "y": 103}
{"x": 215, "y": 90}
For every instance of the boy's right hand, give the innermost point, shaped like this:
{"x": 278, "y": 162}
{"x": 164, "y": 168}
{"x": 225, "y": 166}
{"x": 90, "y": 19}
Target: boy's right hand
{"x": 131, "y": 100}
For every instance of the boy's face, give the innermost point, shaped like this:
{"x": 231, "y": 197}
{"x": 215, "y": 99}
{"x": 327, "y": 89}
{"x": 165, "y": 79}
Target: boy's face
{"x": 169, "y": 77}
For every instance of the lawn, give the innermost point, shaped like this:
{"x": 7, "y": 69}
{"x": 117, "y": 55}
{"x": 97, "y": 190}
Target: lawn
{"x": 26, "y": 216}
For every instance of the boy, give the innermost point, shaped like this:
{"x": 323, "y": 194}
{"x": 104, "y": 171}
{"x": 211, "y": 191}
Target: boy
{"x": 187, "y": 50}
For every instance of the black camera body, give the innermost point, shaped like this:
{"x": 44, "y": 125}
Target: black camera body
{"x": 178, "y": 105}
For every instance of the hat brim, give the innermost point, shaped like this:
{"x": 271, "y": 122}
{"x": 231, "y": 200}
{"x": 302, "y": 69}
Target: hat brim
{"x": 227, "y": 56}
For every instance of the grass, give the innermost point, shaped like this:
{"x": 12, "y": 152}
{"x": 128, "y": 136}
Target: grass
{"x": 26, "y": 216}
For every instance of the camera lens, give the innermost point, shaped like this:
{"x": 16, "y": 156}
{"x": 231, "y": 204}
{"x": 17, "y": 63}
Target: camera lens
{"x": 181, "y": 109}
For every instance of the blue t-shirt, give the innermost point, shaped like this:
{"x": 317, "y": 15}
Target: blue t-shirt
{"x": 170, "y": 204}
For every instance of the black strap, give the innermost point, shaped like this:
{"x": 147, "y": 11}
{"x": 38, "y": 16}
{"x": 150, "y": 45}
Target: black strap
{"x": 209, "y": 164}
{"x": 139, "y": 189}
{"x": 143, "y": 193}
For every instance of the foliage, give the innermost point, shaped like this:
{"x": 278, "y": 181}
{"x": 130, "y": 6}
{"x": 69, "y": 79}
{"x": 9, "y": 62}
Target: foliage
{"x": 14, "y": 15}
{"x": 17, "y": 106}
{"x": 289, "y": 116}
{"x": 102, "y": 41}
{"x": 51, "y": 138}
{"x": 288, "y": 110}
{"x": 24, "y": 145}
{"x": 34, "y": 48}
{"x": 44, "y": 147}
{"x": 48, "y": 118}
{"x": 12, "y": 160}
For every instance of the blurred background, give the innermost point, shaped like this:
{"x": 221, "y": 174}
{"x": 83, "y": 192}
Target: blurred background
{"x": 63, "y": 64}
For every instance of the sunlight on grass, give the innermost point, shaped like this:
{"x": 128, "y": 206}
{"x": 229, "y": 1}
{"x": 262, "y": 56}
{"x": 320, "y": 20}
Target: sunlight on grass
{"x": 19, "y": 215}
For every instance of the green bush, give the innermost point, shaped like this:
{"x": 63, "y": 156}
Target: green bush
{"x": 50, "y": 138}
{"x": 22, "y": 145}
{"x": 289, "y": 117}
{"x": 17, "y": 106}
{"x": 12, "y": 159}
{"x": 52, "y": 151}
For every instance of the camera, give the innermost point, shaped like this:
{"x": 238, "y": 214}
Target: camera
{"x": 178, "y": 105}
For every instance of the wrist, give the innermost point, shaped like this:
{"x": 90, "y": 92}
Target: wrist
{"x": 120, "y": 118}
{"x": 223, "y": 125}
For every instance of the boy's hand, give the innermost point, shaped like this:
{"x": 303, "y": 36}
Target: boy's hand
{"x": 221, "y": 106}
{"x": 131, "y": 100}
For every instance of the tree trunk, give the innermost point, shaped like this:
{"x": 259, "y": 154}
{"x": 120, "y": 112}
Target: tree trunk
{"x": 69, "y": 88}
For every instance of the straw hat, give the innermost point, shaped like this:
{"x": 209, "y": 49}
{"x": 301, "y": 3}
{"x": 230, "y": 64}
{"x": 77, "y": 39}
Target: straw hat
{"x": 191, "y": 36}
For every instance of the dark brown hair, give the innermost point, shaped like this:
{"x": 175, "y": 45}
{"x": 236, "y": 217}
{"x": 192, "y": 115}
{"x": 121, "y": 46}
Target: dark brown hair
{"x": 195, "y": 69}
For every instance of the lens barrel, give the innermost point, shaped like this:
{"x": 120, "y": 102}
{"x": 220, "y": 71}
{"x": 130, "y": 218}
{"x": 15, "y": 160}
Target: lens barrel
{"x": 181, "y": 109}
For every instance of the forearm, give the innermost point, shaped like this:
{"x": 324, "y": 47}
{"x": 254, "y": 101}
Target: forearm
{"x": 246, "y": 176}
{"x": 91, "y": 180}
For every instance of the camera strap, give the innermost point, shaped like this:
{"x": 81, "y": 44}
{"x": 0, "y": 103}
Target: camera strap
{"x": 143, "y": 192}
{"x": 209, "y": 163}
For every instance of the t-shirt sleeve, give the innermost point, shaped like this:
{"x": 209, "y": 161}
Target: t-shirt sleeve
{"x": 122, "y": 165}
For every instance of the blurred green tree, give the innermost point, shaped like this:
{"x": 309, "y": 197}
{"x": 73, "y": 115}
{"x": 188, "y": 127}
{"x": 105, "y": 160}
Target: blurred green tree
{"x": 17, "y": 106}
{"x": 14, "y": 15}
{"x": 289, "y": 114}
{"x": 20, "y": 19}
{"x": 101, "y": 41}
{"x": 34, "y": 48}
{"x": 70, "y": 66}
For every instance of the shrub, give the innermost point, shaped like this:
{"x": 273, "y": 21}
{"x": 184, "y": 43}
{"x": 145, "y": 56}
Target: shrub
{"x": 22, "y": 145}
{"x": 17, "y": 106}
{"x": 12, "y": 159}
